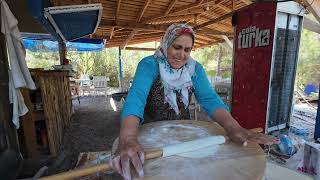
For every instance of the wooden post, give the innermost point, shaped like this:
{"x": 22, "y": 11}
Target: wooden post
{"x": 62, "y": 51}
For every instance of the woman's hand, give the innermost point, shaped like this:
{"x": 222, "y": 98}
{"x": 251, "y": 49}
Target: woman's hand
{"x": 243, "y": 136}
{"x": 130, "y": 152}
{"x": 237, "y": 133}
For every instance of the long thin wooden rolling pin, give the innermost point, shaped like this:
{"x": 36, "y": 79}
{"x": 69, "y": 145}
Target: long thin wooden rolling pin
{"x": 165, "y": 152}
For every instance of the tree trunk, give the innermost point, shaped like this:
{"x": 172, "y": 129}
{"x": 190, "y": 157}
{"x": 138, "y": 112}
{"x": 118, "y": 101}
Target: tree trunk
{"x": 219, "y": 61}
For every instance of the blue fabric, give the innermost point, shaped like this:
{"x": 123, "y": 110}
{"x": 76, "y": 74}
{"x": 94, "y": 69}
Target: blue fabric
{"x": 310, "y": 88}
{"x": 147, "y": 72}
{"x": 48, "y": 45}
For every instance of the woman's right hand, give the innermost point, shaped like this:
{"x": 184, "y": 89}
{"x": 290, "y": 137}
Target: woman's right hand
{"x": 129, "y": 152}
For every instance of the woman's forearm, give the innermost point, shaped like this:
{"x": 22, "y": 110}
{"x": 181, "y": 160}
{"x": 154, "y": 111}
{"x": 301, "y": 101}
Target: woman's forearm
{"x": 224, "y": 119}
{"x": 129, "y": 128}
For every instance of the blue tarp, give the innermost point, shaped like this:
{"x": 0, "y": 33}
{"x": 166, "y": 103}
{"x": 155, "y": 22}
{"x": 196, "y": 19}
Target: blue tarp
{"x": 310, "y": 88}
{"x": 50, "y": 45}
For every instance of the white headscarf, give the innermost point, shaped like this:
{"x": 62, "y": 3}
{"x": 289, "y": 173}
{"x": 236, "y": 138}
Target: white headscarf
{"x": 175, "y": 79}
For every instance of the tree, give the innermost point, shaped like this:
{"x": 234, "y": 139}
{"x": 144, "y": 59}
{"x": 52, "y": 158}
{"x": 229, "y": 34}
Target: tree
{"x": 42, "y": 59}
{"x": 308, "y": 68}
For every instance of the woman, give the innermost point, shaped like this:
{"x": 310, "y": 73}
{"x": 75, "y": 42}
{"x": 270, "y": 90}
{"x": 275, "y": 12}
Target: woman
{"x": 161, "y": 90}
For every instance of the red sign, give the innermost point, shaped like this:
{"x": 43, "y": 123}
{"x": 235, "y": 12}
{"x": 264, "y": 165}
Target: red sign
{"x": 252, "y": 63}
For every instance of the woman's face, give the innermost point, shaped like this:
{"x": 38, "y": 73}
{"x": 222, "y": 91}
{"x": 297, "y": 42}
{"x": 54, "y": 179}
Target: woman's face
{"x": 179, "y": 51}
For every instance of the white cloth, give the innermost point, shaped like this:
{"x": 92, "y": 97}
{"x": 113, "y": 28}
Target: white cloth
{"x": 19, "y": 75}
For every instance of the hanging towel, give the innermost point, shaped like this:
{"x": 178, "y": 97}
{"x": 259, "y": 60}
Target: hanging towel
{"x": 19, "y": 75}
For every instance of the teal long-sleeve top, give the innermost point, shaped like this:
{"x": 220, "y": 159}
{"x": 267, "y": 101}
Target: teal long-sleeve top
{"x": 147, "y": 72}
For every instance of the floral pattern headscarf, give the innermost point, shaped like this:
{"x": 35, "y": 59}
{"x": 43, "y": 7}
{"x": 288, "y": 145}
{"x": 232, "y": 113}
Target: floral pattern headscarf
{"x": 175, "y": 79}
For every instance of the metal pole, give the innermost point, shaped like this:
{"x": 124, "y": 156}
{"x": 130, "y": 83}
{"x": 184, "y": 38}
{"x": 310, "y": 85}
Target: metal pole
{"x": 317, "y": 126}
{"x": 120, "y": 70}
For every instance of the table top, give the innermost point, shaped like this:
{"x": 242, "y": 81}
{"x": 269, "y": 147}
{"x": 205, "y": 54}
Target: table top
{"x": 226, "y": 161}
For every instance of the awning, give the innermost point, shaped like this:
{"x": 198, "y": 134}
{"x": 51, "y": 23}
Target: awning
{"x": 72, "y": 22}
{"x": 38, "y": 45}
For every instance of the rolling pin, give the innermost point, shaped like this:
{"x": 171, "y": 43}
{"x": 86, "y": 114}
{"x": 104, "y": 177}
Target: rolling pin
{"x": 170, "y": 150}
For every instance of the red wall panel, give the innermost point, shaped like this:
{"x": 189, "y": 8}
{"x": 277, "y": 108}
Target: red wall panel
{"x": 252, "y": 65}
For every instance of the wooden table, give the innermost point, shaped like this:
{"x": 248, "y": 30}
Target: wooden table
{"x": 230, "y": 161}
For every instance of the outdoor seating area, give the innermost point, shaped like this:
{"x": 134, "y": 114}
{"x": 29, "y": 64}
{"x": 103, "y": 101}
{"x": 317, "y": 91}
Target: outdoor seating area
{"x": 98, "y": 85}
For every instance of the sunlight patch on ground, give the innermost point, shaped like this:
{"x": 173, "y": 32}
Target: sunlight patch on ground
{"x": 113, "y": 105}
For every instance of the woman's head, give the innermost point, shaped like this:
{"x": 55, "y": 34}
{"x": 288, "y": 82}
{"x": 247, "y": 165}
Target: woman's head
{"x": 177, "y": 44}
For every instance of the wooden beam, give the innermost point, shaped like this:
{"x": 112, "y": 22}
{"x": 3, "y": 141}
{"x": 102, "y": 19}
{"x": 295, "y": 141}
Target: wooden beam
{"x": 188, "y": 9}
{"x": 200, "y": 9}
{"x": 62, "y": 51}
{"x": 189, "y": 6}
{"x": 118, "y": 40}
{"x": 205, "y": 30}
{"x": 230, "y": 44}
{"x": 143, "y": 10}
{"x": 173, "y": 2}
{"x": 203, "y": 36}
{"x": 111, "y": 33}
{"x": 223, "y": 25}
{"x": 311, "y": 25}
{"x": 171, "y": 18}
{"x": 138, "y": 34}
{"x": 213, "y": 32}
{"x": 228, "y": 15}
{"x": 247, "y": 2}
{"x": 116, "y": 44}
{"x": 128, "y": 39}
{"x": 134, "y": 31}
{"x": 233, "y": 4}
{"x": 210, "y": 44}
{"x": 140, "y": 49}
{"x": 202, "y": 41}
{"x": 132, "y": 25}
{"x": 225, "y": 8}
{"x": 140, "y": 39}
{"x": 313, "y": 6}
{"x": 118, "y": 9}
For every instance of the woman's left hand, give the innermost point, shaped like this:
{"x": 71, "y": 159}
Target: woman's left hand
{"x": 242, "y": 136}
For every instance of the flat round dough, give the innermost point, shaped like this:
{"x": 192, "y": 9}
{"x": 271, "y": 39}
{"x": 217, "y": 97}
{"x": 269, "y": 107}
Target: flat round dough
{"x": 225, "y": 161}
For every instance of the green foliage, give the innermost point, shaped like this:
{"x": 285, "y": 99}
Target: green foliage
{"x": 106, "y": 62}
{"x": 42, "y": 59}
{"x": 308, "y": 69}
{"x": 208, "y": 57}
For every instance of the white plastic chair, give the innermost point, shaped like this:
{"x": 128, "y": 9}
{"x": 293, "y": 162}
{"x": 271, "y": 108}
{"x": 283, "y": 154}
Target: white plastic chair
{"x": 85, "y": 84}
{"x": 100, "y": 84}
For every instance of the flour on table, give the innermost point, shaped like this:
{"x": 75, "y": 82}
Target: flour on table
{"x": 169, "y": 134}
